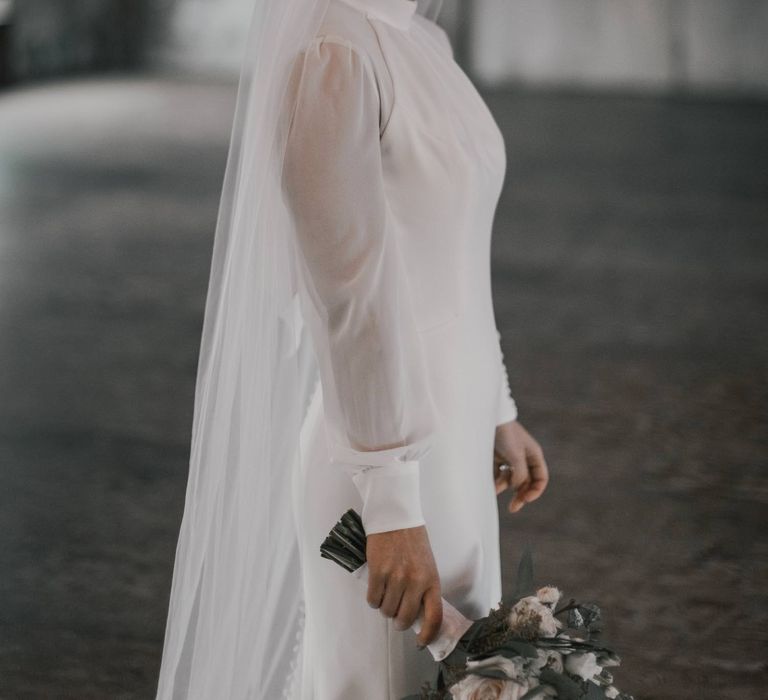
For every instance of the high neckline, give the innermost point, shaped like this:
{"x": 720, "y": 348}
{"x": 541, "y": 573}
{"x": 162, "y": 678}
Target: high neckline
{"x": 395, "y": 12}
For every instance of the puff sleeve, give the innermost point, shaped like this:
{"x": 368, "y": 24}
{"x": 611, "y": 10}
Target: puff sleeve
{"x": 377, "y": 406}
{"x": 507, "y": 408}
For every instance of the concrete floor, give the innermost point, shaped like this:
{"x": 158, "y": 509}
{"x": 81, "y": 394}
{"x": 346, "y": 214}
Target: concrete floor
{"x": 630, "y": 272}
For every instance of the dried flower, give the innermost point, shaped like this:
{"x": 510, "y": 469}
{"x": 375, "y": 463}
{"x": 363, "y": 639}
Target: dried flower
{"x": 530, "y": 618}
{"x": 547, "y": 658}
{"x": 549, "y": 595}
{"x": 608, "y": 658}
{"x": 575, "y": 618}
{"x": 583, "y": 664}
{"x": 605, "y": 677}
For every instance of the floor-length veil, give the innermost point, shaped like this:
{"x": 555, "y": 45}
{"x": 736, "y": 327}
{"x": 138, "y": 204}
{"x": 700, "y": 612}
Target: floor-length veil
{"x": 236, "y": 606}
{"x": 430, "y": 8}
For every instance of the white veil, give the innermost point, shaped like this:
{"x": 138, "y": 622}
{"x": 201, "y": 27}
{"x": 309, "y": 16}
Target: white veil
{"x": 236, "y": 606}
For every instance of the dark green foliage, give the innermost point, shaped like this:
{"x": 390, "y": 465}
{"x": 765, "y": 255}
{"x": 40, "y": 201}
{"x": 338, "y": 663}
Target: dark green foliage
{"x": 345, "y": 543}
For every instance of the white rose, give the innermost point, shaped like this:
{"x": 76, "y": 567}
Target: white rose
{"x": 529, "y": 617}
{"x": 553, "y": 659}
{"x": 549, "y": 595}
{"x": 511, "y": 668}
{"x": 471, "y": 687}
{"x": 582, "y": 664}
{"x": 609, "y": 659}
{"x": 514, "y": 691}
{"x": 480, "y": 688}
{"x": 611, "y": 691}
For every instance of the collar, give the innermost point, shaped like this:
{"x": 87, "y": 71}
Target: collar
{"x": 396, "y": 12}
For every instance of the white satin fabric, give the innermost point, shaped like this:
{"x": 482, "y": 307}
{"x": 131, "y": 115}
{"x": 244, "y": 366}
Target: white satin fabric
{"x": 392, "y": 172}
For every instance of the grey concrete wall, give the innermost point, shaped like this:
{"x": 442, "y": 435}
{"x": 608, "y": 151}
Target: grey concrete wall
{"x": 50, "y": 37}
{"x": 659, "y": 45}
{"x": 208, "y": 36}
{"x": 698, "y": 45}
{"x": 202, "y": 36}
{"x": 725, "y": 43}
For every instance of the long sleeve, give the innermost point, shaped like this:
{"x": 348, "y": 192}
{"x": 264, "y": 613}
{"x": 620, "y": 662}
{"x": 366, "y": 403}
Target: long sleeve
{"x": 507, "y": 408}
{"x": 378, "y": 411}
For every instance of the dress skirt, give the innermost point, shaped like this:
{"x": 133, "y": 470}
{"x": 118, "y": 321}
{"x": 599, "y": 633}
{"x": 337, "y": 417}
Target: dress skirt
{"x": 350, "y": 650}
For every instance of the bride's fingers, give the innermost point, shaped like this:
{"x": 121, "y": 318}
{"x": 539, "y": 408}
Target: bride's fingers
{"x": 539, "y": 474}
{"x": 502, "y": 475}
{"x": 408, "y": 611}
{"x": 375, "y": 589}
{"x": 433, "y": 616}
{"x": 393, "y": 593}
{"x": 516, "y": 476}
{"x": 518, "y": 501}
{"x": 519, "y": 482}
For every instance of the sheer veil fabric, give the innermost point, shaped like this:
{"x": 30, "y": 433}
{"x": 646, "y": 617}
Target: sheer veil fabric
{"x": 236, "y": 605}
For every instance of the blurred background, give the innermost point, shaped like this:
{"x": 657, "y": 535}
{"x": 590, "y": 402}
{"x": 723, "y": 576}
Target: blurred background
{"x": 630, "y": 272}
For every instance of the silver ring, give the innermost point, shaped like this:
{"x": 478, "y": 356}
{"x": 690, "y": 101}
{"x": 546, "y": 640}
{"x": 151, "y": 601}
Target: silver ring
{"x": 504, "y": 468}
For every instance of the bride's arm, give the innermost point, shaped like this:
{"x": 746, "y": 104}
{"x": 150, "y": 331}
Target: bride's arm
{"x": 377, "y": 403}
{"x": 378, "y": 409}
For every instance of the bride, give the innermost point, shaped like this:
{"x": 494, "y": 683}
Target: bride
{"x": 349, "y": 359}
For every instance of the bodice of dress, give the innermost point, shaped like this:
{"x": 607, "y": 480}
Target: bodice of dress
{"x": 393, "y": 170}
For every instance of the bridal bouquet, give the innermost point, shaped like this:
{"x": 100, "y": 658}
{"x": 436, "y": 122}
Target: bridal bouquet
{"x": 523, "y": 650}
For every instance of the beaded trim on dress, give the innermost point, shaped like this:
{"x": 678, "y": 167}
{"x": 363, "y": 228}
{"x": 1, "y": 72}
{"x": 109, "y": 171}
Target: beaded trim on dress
{"x": 293, "y": 685}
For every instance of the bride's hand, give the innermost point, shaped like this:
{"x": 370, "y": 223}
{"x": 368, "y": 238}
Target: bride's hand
{"x": 401, "y": 575}
{"x": 527, "y": 474}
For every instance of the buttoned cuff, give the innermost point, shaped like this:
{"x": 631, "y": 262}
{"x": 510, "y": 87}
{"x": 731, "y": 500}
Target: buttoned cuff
{"x": 390, "y": 494}
{"x": 506, "y": 409}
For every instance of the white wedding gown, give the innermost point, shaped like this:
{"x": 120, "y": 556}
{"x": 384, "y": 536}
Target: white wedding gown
{"x": 393, "y": 170}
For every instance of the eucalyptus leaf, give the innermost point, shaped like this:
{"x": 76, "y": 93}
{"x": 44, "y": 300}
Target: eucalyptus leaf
{"x": 524, "y": 582}
{"x": 489, "y": 673}
{"x": 508, "y": 649}
{"x": 537, "y": 692}
{"x": 439, "y": 682}
{"x": 458, "y": 657}
{"x": 567, "y": 689}
{"x": 520, "y": 648}
{"x": 595, "y": 692}
{"x": 474, "y": 631}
